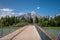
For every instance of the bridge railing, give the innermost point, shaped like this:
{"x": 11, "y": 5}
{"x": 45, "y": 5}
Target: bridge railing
{"x": 45, "y": 35}
{"x": 12, "y": 35}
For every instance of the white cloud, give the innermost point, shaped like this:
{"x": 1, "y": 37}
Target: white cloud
{"x": 38, "y": 7}
{"x": 13, "y": 13}
{"x": 57, "y": 14}
{"x": 21, "y": 13}
{"x": 6, "y": 11}
{"x": 10, "y": 12}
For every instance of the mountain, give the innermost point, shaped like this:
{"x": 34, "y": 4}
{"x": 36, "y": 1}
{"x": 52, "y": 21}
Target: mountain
{"x": 33, "y": 14}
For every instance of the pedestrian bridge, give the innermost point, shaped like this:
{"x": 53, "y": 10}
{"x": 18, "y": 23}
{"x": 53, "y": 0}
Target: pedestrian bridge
{"x": 29, "y": 32}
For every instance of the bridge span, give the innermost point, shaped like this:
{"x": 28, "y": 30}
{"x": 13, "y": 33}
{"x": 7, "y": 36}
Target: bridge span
{"x": 28, "y": 32}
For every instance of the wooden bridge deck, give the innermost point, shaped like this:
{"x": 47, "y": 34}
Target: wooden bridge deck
{"x": 28, "y": 32}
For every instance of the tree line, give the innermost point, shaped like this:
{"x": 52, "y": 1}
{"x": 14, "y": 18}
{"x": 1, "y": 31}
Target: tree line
{"x": 18, "y": 21}
{"x": 49, "y": 21}
{"x": 14, "y": 21}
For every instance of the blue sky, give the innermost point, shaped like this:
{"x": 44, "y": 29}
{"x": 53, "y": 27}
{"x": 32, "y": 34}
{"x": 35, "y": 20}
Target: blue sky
{"x": 16, "y": 7}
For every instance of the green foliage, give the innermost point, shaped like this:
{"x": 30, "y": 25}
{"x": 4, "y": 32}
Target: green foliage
{"x": 47, "y": 21}
{"x": 30, "y": 20}
{"x": 6, "y": 21}
{"x": 14, "y": 21}
{"x": 21, "y": 23}
{"x": 57, "y": 20}
{"x": 36, "y": 20}
{"x": 43, "y": 22}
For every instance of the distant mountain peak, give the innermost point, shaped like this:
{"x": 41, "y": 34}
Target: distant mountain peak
{"x": 33, "y": 14}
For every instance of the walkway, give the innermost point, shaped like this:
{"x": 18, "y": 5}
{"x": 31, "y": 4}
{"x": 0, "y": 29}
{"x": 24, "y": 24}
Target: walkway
{"x": 26, "y": 33}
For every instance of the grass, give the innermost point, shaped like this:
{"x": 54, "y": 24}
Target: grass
{"x": 21, "y": 24}
{"x": 7, "y": 30}
{"x": 53, "y": 30}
